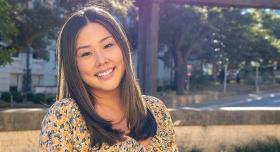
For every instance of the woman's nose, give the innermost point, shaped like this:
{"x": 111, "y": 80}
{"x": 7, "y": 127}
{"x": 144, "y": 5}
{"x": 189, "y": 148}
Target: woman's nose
{"x": 100, "y": 59}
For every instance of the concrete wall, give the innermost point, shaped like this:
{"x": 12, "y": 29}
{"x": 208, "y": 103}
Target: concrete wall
{"x": 21, "y": 119}
{"x": 213, "y": 131}
{"x": 19, "y": 141}
{"x": 222, "y": 138}
{"x": 209, "y": 138}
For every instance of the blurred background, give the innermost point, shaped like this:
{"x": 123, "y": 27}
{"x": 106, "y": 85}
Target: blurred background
{"x": 215, "y": 66}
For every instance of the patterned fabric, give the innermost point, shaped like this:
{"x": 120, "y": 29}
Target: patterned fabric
{"x": 64, "y": 129}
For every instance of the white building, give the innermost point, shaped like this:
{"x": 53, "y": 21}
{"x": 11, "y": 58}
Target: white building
{"x": 43, "y": 72}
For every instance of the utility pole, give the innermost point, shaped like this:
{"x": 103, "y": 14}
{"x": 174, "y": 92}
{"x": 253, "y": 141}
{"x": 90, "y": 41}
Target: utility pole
{"x": 225, "y": 77}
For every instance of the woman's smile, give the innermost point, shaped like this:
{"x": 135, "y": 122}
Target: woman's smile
{"x": 106, "y": 74}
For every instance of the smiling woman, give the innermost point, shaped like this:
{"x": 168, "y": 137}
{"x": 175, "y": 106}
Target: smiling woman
{"x": 99, "y": 104}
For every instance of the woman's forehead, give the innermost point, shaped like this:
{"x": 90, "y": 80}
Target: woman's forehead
{"x": 92, "y": 33}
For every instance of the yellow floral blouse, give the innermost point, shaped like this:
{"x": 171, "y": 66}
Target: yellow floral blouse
{"x": 64, "y": 129}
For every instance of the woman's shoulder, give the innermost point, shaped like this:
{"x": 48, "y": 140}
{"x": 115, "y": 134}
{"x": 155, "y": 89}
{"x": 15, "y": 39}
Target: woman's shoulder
{"x": 152, "y": 100}
{"x": 154, "y": 103}
{"x": 63, "y": 127}
{"x": 65, "y": 103}
{"x": 65, "y": 109}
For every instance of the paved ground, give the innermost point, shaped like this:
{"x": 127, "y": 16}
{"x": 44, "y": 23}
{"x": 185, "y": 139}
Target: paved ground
{"x": 244, "y": 102}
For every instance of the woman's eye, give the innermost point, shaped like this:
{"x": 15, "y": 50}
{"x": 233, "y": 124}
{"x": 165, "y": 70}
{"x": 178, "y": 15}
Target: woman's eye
{"x": 108, "y": 45}
{"x": 86, "y": 54}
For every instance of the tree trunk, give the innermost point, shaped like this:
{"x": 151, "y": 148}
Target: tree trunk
{"x": 180, "y": 80}
{"x": 180, "y": 70}
{"x": 27, "y": 81}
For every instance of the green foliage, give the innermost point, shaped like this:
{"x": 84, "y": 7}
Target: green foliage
{"x": 29, "y": 96}
{"x": 121, "y": 9}
{"x": 36, "y": 98}
{"x": 17, "y": 96}
{"x": 23, "y": 25}
{"x": 6, "y": 96}
{"x": 195, "y": 149}
{"x": 118, "y": 7}
{"x": 7, "y": 25}
{"x": 183, "y": 148}
{"x": 50, "y": 100}
{"x": 198, "y": 81}
{"x": 218, "y": 36}
{"x": 270, "y": 145}
{"x": 8, "y": 31}
{"x": 5, "y": 55}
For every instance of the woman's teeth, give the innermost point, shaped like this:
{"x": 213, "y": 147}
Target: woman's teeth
{"x": 105, "y": 73}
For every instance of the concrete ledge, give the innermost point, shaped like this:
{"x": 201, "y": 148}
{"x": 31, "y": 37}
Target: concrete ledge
{"x": 225, "y": 117}
{"x": 211, "y": 130}
{"x": 21, "y": 119}
{"x": 30, "y": 119}
{"x": 222, "y": 138}
{"x": 19, "y": 141}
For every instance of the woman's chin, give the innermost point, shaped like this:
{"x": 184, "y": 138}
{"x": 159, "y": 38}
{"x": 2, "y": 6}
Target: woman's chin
{"x": 105, "y": 88}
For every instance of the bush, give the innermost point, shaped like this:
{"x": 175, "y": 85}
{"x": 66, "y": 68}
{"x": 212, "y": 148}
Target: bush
{"x": 38, "y": 98}
{"x": 159, "y": 88}
{"x": 6, "y": 96}
{"x": 195, "y": 149}
{"x": 17, "y": 97}
{"x": 170, "y": 87}
{"x": 29, "y": 96}
{"x": 184, "y": 148}
{"x": 270, "y": 145}
{"x": 199, "y": 81}
{"x": 50, "y": 101}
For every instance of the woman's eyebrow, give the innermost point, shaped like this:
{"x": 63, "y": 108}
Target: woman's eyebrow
{"x": 105, "y": 38}
{"x": 82, "y": 47}
{"x": 87, "y": 46}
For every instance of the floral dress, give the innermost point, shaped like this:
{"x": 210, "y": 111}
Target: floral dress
{"x": 64, "y": 129}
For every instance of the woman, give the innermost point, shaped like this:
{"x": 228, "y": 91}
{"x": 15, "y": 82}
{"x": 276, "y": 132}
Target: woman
{"x": 99, "y": 104}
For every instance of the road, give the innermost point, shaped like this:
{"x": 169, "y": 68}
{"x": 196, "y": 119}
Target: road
{"x": 269, "y": 101}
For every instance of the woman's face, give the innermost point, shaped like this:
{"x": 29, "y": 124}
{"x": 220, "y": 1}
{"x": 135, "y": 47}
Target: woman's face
{"x": 99, "y": 58}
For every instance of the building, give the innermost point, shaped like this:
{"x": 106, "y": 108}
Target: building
{"x": 43, "y": 72}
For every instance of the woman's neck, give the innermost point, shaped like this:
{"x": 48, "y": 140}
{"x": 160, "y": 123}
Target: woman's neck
{"x": 108, "y": 99}
{"x": 108, "y": 106}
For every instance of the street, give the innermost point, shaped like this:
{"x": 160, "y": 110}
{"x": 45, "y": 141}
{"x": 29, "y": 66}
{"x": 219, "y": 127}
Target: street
{"x": 269, "y": 101}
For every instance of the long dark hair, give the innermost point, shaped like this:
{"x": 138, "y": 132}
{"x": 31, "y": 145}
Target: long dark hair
{"x": 70, "y": 84}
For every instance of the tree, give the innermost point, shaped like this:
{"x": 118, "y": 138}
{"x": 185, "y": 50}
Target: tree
{"x": 34, "y": 22}
{"x": 123, "y": 10}
{"x": 8, "y": 31}
{"x": 242, "y": 36}
{"x": 218, "y": 36}
{"x": 184, "y": 30}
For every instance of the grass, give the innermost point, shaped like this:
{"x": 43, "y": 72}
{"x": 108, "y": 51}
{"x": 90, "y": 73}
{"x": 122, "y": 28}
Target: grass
{"x": 271, "y": 144}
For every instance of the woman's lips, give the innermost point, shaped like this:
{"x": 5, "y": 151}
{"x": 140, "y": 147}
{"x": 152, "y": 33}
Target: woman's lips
{"x": 106, "y": 74}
